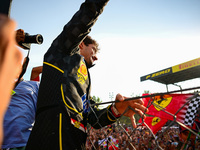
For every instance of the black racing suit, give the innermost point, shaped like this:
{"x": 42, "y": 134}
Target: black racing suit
{"x": 63, "y": 99}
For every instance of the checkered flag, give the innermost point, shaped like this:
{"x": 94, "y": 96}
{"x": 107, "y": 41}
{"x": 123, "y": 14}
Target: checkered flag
{"x": 191, "y": 111}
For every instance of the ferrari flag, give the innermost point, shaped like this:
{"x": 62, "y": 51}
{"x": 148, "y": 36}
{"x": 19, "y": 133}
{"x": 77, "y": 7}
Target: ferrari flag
{"x": 172, "y": 106}
{"x": 154, "y": 123}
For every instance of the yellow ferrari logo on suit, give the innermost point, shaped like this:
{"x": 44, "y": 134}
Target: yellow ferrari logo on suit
{"x": 82, "y": 73}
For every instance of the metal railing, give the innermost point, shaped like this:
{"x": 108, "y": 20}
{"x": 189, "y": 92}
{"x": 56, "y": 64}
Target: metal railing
{"x": 120, "y": 136}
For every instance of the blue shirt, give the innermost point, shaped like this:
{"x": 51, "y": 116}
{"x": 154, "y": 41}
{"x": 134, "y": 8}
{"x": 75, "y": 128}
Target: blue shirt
{"x": 20, "y": 115}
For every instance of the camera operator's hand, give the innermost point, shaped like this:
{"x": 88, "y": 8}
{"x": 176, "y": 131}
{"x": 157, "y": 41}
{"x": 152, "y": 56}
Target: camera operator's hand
{"x": 137, "y": 105}
{"x": 20, "y": 35}
{"x": 10, "y": 63}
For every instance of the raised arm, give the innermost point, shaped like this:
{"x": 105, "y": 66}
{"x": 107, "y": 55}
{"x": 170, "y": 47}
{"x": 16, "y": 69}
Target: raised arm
{"x": 78, "y": 27}
{"x": 36, "y": 71}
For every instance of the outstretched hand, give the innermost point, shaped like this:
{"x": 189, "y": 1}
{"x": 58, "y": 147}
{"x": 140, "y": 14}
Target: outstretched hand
{"x": 129, "y": 108}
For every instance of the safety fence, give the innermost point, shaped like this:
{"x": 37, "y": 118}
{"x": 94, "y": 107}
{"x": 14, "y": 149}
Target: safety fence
{"x": 172, "y": 134}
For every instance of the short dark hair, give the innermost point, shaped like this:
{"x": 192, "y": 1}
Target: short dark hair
{"x": 89, "y": 40}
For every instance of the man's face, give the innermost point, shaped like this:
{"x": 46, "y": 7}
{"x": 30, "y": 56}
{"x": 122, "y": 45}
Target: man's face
{"x": 89, "y": 53}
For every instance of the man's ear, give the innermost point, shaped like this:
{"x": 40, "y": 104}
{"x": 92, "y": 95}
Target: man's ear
{"x": 81, "y": 45}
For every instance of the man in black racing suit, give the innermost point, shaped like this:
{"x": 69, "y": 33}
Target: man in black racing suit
{"x": 64, "y": 93}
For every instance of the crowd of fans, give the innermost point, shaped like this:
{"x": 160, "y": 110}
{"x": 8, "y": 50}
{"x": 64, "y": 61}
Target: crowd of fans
{"x": 110, "y": 137}
{"x": 126, "y": 138}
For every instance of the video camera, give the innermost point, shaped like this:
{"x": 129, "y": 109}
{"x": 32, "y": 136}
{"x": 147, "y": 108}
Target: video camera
{"x": 38, "y": 39}
{"x": 26, "y": 41}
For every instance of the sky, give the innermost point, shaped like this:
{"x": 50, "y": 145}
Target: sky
{"x": 136, "y": 38}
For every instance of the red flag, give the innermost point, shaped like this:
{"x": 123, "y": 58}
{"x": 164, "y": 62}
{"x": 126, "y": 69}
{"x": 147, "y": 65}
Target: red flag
{"x": 154, "y": 123}
{"x": 166, "y": 106}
